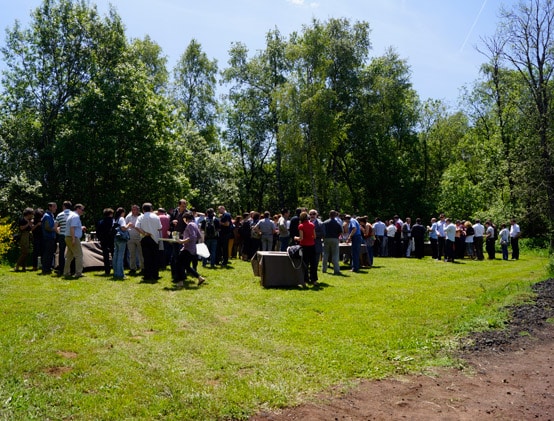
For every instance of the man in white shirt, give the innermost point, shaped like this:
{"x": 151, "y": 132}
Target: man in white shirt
{"x": 284, "y": 235}
{"x": 133, "y": 245}
{"x": 479, "y": 232}
{"x": 441, "y": 237}
{"x": 515, "y": 233}
{"x": 450, "y": 233}
{"x": 379, "y": 228}
{"x": 73, "y": 233}
{"x": 149, "y": 226}
{"x": 389, "y": 243}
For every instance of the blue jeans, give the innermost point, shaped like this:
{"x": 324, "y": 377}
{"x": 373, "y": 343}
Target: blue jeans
{"x": 504, "y": 251}
{"x": 117, "y": 260}
{"x": 211, "y": 243}
{"x": 284, "y": 243}
{"x": 356, "y": 248}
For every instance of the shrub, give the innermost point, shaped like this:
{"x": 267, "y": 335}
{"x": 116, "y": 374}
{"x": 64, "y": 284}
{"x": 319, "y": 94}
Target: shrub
{"x": 6, "y": 238}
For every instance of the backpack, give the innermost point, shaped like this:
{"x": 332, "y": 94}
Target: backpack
{"x": 209, "y": 228}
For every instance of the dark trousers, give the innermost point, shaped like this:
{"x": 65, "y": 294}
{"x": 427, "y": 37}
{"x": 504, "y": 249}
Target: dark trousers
{"x": 434, "y": 248}
{"x": 107, "y": 251}
{"x": 150, "y": 253}
{"x": 48, "y": 252}
{"x": 310, "y": 263}
{"x": 224, "y": 247}
{"x": 184, "y": 266}
{"x": 478, "y": 244}
{"x": 515, "y": 248}
{"x": 449, "y": 250}
{"x": 442, "y": 244}
{"x": 419, "y": 244}
{"x": 61, "y": 253}
{"x": 490, "y": 248}
{"x": 377, "y": 245}
{"x": 174, "y": 261}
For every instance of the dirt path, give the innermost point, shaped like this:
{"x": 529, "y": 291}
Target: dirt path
{"x": 508, "y": 375}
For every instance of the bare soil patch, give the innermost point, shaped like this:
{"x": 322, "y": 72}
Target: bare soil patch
{"x": 506, "y": 375}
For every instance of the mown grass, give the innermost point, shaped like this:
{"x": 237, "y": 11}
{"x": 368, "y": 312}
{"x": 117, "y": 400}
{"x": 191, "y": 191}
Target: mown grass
{"x": 94, "y": 348}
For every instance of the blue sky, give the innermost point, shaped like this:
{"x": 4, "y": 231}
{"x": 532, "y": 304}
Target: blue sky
{"x": 436, "y": 37}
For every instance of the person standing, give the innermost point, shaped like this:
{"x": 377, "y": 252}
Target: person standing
{"x": 134, "y": 243}
{"x": 293, "y": 224}
{"x": 441, "y": 236}
{"x": 225, "y": 222}
{"x": 120, "y": 243}
{"x": 379, "y": 229}
{"x": 48, "y": 238}
{"x": 177, "y": 223}
{"x": 25, "y": 225}
{"x": 210, "y": 228}
{"x": 515, "y": 233}
{"x": 470, "y": 233}
{"x": 478, "y": 235}
{"x": 319, "y": 234}
{"x": 389, "y": 242}
{"x": 60, "y": 224}
{"x": 306, "y": 239}
{"x": 165, "y": 252}
{"x": 265, "y": 228}
{"x": 73, "y": 233}
{"x": 489, "y": 239}
{"x": 331, "y": 250}
{"x": 418, "y": 234}
{"x": 355, "y": 239}
{"x": 450, "y": 240}
{"x": 504, "y": 238}
{"x": 106, "y": 238}
{"x": 149, "y": 226}
{"x": 36, "y": 232}
{"x": 284, "y": 234}
{"x": 407, "y": 237}
{"x": 433, "y": 238}
{"x": 187, "y": 255}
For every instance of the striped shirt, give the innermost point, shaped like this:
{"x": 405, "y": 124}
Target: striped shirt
{"x": 61, "y": 220}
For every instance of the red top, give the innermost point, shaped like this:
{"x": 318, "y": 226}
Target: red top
{"x": 308, "y": 230}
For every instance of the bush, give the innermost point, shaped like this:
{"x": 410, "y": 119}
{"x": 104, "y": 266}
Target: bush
{"x": 550, "y": 266}
{"x": 6, "y": 238}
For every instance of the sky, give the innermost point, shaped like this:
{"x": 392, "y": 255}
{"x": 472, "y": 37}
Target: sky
{"x": 437, "y": 38}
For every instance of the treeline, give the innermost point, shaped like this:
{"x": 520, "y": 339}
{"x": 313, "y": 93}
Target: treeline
{"x": 312, "y": 119}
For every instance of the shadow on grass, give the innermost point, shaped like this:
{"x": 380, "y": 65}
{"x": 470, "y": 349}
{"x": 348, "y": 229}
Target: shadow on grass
{"x": 187, "y": 285}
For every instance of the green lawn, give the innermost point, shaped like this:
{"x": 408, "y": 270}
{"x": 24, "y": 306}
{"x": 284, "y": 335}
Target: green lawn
{"x": 95, "y": 348}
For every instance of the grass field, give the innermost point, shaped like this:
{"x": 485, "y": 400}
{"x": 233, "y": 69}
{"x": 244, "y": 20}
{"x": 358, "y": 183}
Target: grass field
{"x": 95, "y": 348}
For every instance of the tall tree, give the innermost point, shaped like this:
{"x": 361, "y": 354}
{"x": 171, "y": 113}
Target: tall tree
{"x": 194, "y": 89}
{"x": 526, "y": 34}
{"x": 81, "y": 113}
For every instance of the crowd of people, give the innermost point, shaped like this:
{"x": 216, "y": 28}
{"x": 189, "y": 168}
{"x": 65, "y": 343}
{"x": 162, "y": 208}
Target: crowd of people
{"x": 147, "y": 240}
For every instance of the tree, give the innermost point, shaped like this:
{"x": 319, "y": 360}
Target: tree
{"x": 194, "y": 88}
{"x": 82, "y": 114}
{"x": 526, "y": 39}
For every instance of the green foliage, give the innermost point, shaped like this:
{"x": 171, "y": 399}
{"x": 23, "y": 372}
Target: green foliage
{"x": 309, "y": 120}
{"x": 6, "y": 238}
{"x": 230, "y": 348}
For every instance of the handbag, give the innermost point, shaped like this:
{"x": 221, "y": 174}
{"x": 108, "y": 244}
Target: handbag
{"x": 295, "y": 252}
{"x": 202, "y": 250}
{"x": 121, "y": 235}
